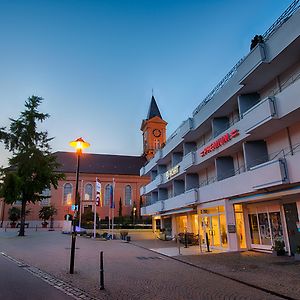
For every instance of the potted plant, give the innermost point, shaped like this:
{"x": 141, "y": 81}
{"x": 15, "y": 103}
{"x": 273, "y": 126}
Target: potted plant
{"x": 14, "y": 215}
{"x": 46, "y": 213}
{"x": 297, "y": 253}
{"x": 278, "y": 247}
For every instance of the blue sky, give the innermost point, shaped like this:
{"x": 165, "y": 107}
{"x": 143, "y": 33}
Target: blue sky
{"x": 96, "y": 62}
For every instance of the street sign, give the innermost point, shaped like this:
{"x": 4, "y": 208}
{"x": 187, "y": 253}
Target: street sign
{"x": 74, "y": 207}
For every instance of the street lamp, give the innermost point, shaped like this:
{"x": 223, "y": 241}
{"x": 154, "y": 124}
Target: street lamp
{"x": 134, "y": 212}
{"x": 79, "y": 144}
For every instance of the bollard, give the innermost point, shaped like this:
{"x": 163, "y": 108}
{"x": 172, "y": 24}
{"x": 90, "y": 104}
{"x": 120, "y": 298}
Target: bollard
{"x": 5, "y": 227}
{"x": 101, "y": 271}
{"x": 207, "y": 242}
{"x": 35, "y": 227}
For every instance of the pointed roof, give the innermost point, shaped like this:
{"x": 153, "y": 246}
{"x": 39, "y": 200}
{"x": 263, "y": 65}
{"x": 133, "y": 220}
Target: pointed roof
{"x": 153, "y": 110}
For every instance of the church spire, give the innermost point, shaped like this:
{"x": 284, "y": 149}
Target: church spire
{"x": 153, "y": 109}
{"x": 154, "y": 130}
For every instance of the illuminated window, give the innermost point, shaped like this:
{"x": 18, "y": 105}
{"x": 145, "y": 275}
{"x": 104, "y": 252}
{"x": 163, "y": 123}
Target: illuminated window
{"x": 107, "y": 195}
{"x": 128, "y": 195}
{"x": 88, "y": 192}
{"x": 68, "y": 194}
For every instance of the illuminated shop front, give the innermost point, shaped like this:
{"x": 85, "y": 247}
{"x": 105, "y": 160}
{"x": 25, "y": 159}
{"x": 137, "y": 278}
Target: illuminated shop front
{"x": 265, "y": 224}
{"x": 213, "y": 223}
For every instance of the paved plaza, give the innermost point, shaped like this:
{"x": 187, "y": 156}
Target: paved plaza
{"x": 132, "y": 271}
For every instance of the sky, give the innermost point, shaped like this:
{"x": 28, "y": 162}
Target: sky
{"x": 96, "y": 62}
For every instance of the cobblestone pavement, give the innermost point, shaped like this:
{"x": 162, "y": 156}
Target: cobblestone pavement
{"x": 131, "y": 272}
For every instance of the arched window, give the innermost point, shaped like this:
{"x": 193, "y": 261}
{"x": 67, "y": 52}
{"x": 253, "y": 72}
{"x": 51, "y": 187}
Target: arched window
{"x": 128, "y": 195}
{"x": 88, "y": 192}
{"x": 68, "y": 194}
{"x": 107, "y": 195}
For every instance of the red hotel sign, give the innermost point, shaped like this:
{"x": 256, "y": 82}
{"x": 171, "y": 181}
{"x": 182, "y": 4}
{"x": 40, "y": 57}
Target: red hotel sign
{"x": 220, "y": 142}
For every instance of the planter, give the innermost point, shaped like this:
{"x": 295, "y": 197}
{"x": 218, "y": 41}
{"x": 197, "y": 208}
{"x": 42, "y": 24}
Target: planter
{"x": 297, "y": 256}
{"x": 280, "y": 252}
{"x": 44, "y": 225}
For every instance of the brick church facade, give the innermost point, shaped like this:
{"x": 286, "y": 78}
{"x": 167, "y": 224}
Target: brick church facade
{"x": 123, "y": 170}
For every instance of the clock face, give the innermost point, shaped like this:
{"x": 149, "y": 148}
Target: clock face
{"x": 156, "y": 132}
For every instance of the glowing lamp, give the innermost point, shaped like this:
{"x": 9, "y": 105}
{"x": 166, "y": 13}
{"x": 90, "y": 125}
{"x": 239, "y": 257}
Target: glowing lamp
{"x": 79, "y": 144}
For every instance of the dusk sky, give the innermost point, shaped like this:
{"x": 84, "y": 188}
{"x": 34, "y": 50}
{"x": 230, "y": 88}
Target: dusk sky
{"x": 96, "y": 62}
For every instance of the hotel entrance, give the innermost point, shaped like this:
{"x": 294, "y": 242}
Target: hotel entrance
{"x": 213, "y": 223}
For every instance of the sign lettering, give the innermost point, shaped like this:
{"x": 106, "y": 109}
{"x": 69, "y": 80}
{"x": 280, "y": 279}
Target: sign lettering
{"x": 220, "y": 142}
{"x": 170, "y": 173}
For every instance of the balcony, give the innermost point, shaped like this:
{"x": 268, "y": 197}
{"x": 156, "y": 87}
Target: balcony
{"x": 259, "y": 114}
{"x": 268, "y": 174}
{"x": 151, "y": 186}
{"x": 152, "y": 209}
{"x": 188, "y": 198}
{"x": 251, "y": 62}
{"x": 177, "y": 137}
{"x": 151, "y": 164}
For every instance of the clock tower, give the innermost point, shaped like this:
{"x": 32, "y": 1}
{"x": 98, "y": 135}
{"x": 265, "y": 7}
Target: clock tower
{"x": 154, "y": 131}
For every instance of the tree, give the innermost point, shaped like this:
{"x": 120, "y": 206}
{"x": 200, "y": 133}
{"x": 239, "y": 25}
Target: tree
{"x": 32, "y": 167}
{"x": 120, "y": 208}
{"x": 46, "y": 213}
{"x": 14, "y": 215}
{"x": 140, "y": 208}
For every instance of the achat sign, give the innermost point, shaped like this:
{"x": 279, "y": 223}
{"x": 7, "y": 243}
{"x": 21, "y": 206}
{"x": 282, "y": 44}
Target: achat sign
{"x": 220, "y": 142}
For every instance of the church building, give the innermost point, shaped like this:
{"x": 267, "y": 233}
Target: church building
{"x": 121, "y": 170}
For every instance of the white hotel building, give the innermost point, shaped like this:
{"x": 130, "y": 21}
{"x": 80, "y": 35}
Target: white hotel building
{"x": 232, "y": 170}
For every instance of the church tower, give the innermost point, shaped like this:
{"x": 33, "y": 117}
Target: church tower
{"x": 154, "y": 131}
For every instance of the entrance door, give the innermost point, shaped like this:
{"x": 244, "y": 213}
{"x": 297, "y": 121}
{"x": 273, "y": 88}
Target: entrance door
{"x": 212, "y": 228}
{"x": 291, "y": 216}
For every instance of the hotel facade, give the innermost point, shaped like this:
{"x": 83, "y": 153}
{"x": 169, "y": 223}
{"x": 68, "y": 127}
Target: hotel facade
{"x": 231, "y": 171}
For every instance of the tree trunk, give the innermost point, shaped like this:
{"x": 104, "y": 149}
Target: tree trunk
{"x": 23, "y": 212}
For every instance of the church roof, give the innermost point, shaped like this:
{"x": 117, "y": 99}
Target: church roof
{"x": 153, "y": 110}
{"x": 100, "y": 163}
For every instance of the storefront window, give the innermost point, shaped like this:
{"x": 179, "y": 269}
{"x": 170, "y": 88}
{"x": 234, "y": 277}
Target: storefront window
{"x": 213, "y": 223}
{"x": 276, "y": 226}
{"x": 240, "y": 225}
{"x": 181, "y": 223}
{"x": 254, "y": 229}
{"x": 223, "y": 231}
{"x": 264, "y": 229}
{"x": 195, "y": 224}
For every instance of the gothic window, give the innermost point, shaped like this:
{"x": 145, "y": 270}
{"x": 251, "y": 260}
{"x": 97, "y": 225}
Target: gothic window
{"x": 68, "y": 194}
{"x": 128, "y": 195}
{"x": 107, "y": 195}
{"x": 88, "y": 192}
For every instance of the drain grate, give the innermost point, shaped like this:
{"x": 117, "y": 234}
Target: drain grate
{"x": 148, "y": 257}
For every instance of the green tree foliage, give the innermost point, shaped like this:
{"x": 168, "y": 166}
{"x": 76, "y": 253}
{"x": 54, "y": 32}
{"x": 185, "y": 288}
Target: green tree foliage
{"x": 32, "y": 167}
{"x": 87, "y": 218}
{"x": 120, "y": 208}
{"x": 14, "y": 214}
{"x": 47, "y": 212}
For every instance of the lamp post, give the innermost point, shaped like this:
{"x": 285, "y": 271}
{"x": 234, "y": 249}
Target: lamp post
{"x": 79, "y": 144}
{"x": 134, "y": 212}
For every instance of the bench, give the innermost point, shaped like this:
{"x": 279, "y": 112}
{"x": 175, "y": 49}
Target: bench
{"x": 26, "y": 225}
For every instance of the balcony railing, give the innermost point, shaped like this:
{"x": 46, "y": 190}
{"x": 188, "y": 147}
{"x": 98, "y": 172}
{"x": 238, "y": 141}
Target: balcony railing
{"x": 275, "y": 26}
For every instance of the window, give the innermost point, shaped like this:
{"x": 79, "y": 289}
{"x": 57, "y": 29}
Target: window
{"x": 128, "y": 195}
{"x": 107, "y": 195}
{"x": 47, "y": 194}
{"x": 88, "y": 192}
{"x": 68, "y": 194}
